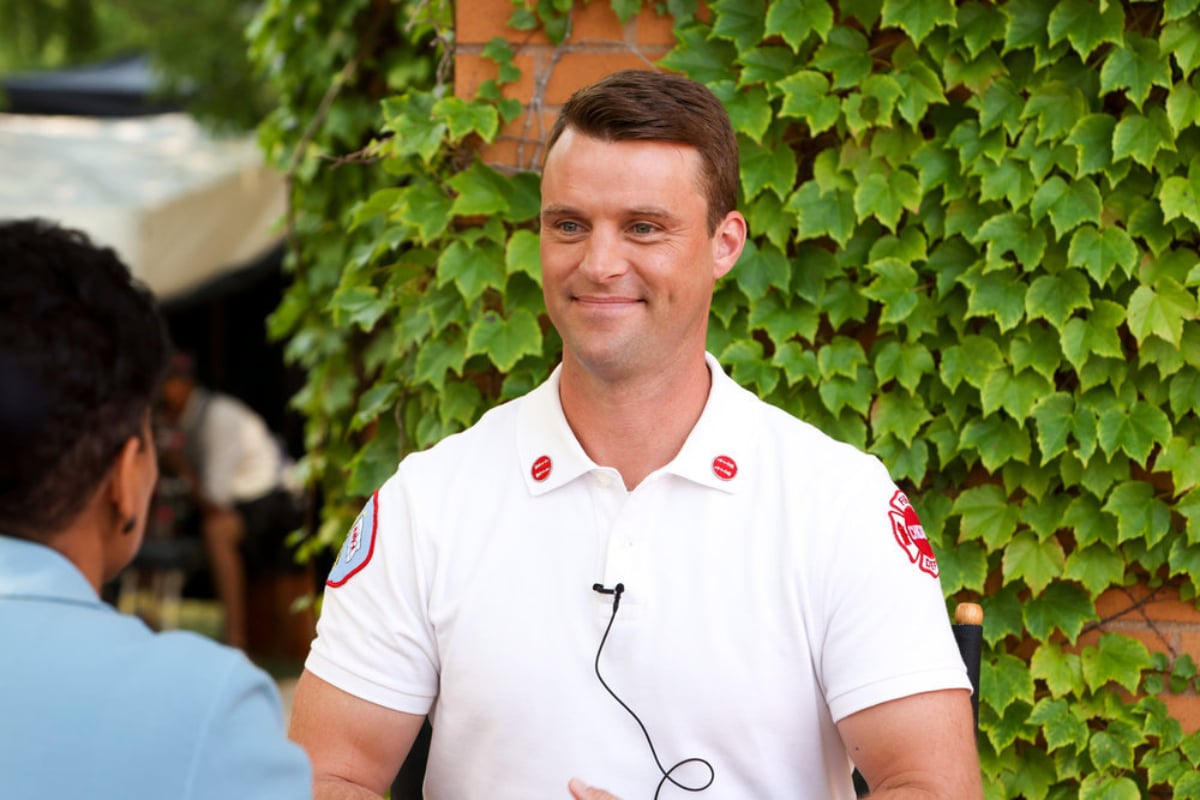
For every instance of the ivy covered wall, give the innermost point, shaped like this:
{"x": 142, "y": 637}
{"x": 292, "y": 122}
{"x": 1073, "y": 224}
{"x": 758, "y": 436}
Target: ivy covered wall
{"x": 975, "y": 230}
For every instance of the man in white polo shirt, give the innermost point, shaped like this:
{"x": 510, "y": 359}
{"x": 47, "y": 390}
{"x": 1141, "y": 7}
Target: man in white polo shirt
{"x": 638, "y": 575}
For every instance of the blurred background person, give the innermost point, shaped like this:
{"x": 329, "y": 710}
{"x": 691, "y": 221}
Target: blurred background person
{"x": 95, "y": 704}
{"x": 236, "y": 473}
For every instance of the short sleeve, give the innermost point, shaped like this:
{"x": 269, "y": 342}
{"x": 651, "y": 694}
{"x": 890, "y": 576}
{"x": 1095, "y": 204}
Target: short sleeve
{"x": 242, "y": 750}
{"x": 886, "y": 629}
{"x": 374, "y": 639}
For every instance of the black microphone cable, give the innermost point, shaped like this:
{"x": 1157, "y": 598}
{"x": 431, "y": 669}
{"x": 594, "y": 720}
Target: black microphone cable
{"x": 616, "y": 592}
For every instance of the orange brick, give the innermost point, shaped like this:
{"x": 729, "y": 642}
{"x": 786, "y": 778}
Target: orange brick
{"x": 596, "y": 21}
{"x": 652, "y": 28}
{"x": 1189, "y": 643}
{"x": 471, "y": 71}
{"x": 577, "y": 70}
{"x": 480, "y": 21}
{"x": 1186, "y": 709}
{"x": 1162, "y": 640}
{"x": 1161, "y": 606}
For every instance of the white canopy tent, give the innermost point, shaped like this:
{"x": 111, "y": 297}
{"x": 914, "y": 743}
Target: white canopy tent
{"x": 180, "y": 206}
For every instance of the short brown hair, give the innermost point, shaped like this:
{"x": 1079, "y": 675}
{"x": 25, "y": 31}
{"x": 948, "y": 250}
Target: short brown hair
{"x": 641, "y": 105}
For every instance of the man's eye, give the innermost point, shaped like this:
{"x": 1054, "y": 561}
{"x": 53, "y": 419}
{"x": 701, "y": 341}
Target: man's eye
{"x": 643, "y": 228}
{"x": 567, "y": 226}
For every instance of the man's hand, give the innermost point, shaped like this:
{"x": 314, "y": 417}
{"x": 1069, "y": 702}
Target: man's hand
{"x": 581, "y": 791}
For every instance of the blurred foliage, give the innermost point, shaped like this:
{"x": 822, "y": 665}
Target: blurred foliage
{"x": 198, "y": 48}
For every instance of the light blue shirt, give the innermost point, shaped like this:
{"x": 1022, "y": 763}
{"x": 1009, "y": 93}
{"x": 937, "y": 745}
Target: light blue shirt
{"x": 93, "y": 704}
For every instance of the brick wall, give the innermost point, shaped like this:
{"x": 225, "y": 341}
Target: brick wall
{"x": 599, "y": 44}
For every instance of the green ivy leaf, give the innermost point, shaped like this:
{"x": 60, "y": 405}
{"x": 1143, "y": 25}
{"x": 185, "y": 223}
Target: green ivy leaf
{"x": 1176, "y": 9}
{"x": 1101, "y": 252}
{"x": 1136, "y": 67}
{"x": 1016, "y": 394}
{"x": 920, "y": 88}
{"x": 1063, "y": 606}
{"x": 1180, "y": 197}
{"x": 1115, "y": 659}
{"x": 1181, "y": 38}
{"x": 1096, "y": 567}
{"x": 918, "y": 18}
{"x": 464, "y": 118}
{"x": 767, "y": 65}
{"x": 798, "y": 364}
{"x": 439, "y": 356}
{"x": 749, "y": 110}
{"x": 461, "y": 401}
{"x": 1012, "y": 232}
{"x": 1052, "y": 413}
{"x": 1092, "y": 136}
{"x": 962, "y": 567}
{"x": 978, "y": 25}
{"x": 701, "y": 57}
{"x": 844, "y": 57}
{"x": 894, "y": 286}
{"x": 905, "y": 363}
{"x": 1104, "y": 786}
{"x": 1056, "y": 106}
{"x": 971, "y": 360}
{"x": 1028, "y": 21}
{"x": 765, "y": 167}
{"x": 1161, "y": 310}
{"x": 1062, "y": 672}
{"x": 831, "y": 215}
{"x": 739, "y": 21}
{"x": 481, "y": 191}
{"x": 1059, "y": 724}
{"x": 1055, "y": 298}
{"x": 781, "y": 322}
{"x": 1077, "y": 22}
{"x": 887, "y": 196}
{"x": 760, "y": 269}
{"x": 749, "y": 368}
{"x": 1142, "y": 137}
{"x": 1183, "y": 107}
{"x": 1035, "y": 562}
{"x": 997, "y": 440}
{"x": 997, "y": 295}
{"x": 987, "y": 513}
{"x": 872, "y": 105}
{"x": 505, "y": 341}
{"x": 1140, "y": 515}
{"x": 1095, "y": 336}
{"x": 899, "y": 414}
{"x": 1182, "y": 460}
{"x": 1069, "y": 205}
{"x": 523, "y": 255}
{"x": 1135, "y": 430}
{"x": 472, "y": 269}
{"x": 1113, "y": 748}
{"x": 842, "y": 356}
{"x": 794, "y": 20}
{"x": 839, "y": 392}
{"x": 1008, "y": 680}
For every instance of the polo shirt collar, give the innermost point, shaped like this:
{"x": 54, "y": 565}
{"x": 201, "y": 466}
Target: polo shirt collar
{"x": 715, "y": 453}
{"x": 29, "y": 569}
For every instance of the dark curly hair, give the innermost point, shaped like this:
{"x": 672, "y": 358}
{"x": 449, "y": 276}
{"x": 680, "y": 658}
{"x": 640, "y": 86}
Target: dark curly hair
{"x": 83, "y": 350}
{"x": 642, "y": 105}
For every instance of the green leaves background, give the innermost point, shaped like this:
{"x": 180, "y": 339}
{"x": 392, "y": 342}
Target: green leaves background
{"x": 975, "y": 254}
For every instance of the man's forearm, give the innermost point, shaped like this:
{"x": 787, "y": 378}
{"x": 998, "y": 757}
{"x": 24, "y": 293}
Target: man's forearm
{"x": 338, "y": 789}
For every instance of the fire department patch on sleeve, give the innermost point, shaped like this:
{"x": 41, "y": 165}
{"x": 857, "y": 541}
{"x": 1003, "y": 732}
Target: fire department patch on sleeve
{"x": 906, "y": 526}
{"x": 359, "y": 545}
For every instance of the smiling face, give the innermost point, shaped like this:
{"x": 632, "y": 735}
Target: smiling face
{"x": 628, "y": 261}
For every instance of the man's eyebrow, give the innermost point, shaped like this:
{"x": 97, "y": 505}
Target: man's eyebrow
{"x": 652, "y": 212}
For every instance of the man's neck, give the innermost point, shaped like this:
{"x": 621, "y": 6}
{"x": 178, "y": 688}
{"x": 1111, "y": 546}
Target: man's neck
{"x": 635, "y": 425}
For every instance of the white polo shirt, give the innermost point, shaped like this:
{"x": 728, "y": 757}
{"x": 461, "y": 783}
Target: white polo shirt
{"x": 776, "y": 581}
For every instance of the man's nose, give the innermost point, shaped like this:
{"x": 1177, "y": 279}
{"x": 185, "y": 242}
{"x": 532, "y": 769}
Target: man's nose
{"x": 604, "y": 256}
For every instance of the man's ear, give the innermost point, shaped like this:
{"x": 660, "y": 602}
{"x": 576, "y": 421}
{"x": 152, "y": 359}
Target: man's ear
{"x": 727, "y": 242}
{"x": 125, "y": 484}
